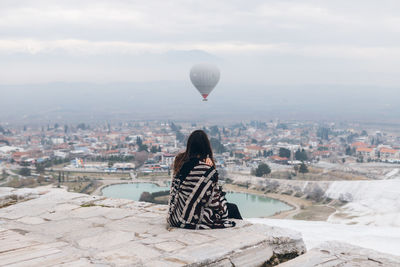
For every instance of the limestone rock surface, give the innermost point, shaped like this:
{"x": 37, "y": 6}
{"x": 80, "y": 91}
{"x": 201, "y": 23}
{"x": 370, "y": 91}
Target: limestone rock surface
{"x": 53, "y": 227}
{"x": 333, "y": 253}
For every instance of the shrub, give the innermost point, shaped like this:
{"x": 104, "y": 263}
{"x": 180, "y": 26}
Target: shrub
{"x": 262, "y": 169}
{"x": 25, "y": 172}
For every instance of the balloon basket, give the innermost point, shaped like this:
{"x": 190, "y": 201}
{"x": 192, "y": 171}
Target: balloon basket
{"x": 205, "y": 99}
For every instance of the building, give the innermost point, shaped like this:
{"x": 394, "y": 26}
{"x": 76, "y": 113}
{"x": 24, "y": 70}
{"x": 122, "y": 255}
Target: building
{"x": 366, "y": 152}
{"x": 167, "y": 159}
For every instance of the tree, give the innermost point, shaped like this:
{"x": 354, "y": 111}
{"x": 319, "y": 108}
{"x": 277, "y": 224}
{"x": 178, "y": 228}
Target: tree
{"x": 4, "y": 174}
{"x": 282, "y": 126}
{"x": 143, "y": 147}
{"x": 323, "y": 133}
{"x": 81, "y": 126}
{"x": 154, "y": 149}
{"x": 296, "y": 168}
{"x": 40, "y": 168}
{"x": 217, "y": 146}
{"x": 25, "y": 172}
{"x": 267, "y": 153}
{"x": 214, "y": 130}
{"x": 139, "y": 141}
{"x": 301, "y": 155}
{"x": 316, "y": 193}
{"x": 262, "y": 169}
{"x": 303, "y": 168}
{"x": 180, "y": 137}
{"x": 174, "y": 127}
{"x": 284, "y": 152}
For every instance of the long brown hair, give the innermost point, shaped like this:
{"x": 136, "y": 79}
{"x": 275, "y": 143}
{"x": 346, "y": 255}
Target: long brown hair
{"x": 198, "y": 146}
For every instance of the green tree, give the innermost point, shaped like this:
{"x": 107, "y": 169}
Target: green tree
{"x": 180, "y": 137}
{"x": 81, "y": 126}
{"x": 284, "y": 152}
{"x": 301, "y": 155}
{"x": 282, "y": 126}
{"x": 174, "y": 127}
{"x": 323, "y": 133}
{"x": 348, "y": 151}
{"x": 262, "y": 169}
{"x": 4, "y": 174}
{"x": 214, "y": 130}
{"x": 25, "y": 172}
{"x": 303, "y": 168}
{"x": 296, "y": 168}
{"x": 143, "y": 147}
{"x": 154, "y": 149}
{"x": 267, "y": 153}
{"x": 217, "y": 146}
{"x": 40, "y": 167}
{"x": 139, "y": 141}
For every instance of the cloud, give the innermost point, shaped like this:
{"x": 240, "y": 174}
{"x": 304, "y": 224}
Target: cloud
{"x": 285, "y": 37}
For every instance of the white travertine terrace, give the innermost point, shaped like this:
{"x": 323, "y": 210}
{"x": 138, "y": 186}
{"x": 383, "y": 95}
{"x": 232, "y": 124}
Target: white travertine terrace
{"x": 52, "y": 227}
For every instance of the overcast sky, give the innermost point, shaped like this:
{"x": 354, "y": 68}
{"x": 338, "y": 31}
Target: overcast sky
{"x": 267, "y": 42}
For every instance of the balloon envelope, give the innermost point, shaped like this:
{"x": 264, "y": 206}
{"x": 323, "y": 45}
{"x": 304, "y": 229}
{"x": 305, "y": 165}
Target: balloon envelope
{"x": 204, "y": 77}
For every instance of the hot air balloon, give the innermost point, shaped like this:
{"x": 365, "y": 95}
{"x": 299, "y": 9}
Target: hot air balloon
{"x": 204, "y": 77}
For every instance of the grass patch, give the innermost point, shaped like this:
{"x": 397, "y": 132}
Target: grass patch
{"x": 87, "y": 205}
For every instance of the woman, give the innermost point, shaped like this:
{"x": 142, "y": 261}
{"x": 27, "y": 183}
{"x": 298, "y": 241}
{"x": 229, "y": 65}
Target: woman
{"x": 196, "y": 200}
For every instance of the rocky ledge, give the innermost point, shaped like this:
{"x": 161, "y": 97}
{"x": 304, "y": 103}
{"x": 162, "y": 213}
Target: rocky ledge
{"x": 335, "y": 253}
{"x": 50, "y": 226}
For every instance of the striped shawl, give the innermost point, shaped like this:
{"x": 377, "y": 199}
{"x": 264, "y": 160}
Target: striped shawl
{"x": 196, "y": 200}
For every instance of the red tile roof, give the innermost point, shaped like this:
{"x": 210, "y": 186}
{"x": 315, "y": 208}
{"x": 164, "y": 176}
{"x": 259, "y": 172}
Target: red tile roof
{"x": 359, "y": 144}
{"x": 388, "y": 150}
{"x": 364, "y": 149}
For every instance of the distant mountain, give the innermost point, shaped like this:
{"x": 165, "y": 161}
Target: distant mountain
{"x": 76, "y": 102}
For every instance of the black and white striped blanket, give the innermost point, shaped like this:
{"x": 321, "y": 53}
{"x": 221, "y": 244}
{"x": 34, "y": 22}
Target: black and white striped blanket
{"x": 196, "y": 200}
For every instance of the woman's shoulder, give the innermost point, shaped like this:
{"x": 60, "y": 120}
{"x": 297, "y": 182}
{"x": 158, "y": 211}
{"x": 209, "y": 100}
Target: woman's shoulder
{"x": 206, "y": 169}
{"x": 203, "y": 165}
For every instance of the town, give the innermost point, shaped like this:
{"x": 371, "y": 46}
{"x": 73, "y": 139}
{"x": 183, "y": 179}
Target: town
{"x": 150, "y": 147}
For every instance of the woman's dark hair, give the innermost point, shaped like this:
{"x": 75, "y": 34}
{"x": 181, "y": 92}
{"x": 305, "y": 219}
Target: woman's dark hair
{"x": 198, "y": 146}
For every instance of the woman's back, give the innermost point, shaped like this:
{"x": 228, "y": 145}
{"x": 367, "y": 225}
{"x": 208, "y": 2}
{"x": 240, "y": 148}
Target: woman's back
{"x": 196, "y": 200}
